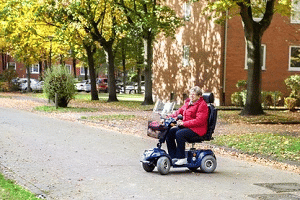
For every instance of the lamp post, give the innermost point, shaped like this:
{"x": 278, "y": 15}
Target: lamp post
{"x": 50, "y": 53}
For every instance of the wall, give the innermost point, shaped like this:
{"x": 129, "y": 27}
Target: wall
{"x": 204, "y": 38}
{"x": 278, "y": 37}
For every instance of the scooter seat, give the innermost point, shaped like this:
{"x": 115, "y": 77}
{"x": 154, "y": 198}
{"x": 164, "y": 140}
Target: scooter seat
{"x": 199, "y": 139}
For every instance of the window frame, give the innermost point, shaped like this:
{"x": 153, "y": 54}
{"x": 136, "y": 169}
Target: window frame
{"x": 32, "y": 68}
{"x": 187, "y": 11}
{"x": 263, "y": 67}
{"x": 69, "y": 68}
{"x": 82, "y": 71}
{"x": 186, "y": 55}
{"x": 9, "y": 64}
{"x": 297, "y": 11}
{"x": 293, "y": 69}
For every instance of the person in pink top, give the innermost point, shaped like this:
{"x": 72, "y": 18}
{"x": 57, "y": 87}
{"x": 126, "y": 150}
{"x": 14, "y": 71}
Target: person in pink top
{"x": 193, "y": 124}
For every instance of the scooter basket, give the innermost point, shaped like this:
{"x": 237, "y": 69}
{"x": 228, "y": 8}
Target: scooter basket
{"x": 155, "y": 129}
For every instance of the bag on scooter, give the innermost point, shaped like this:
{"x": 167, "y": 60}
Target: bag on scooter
{"x": 155, "y": 129}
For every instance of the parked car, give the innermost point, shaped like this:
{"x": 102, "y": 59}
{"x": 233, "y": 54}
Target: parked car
{"x": 87, "y": 87}
{"x": 142, "y": 86}
{"x": 38, "y": 87}
{"x": 102, "y": 85}
{"x": 130, "y": 88}
{"x": 35, "y": 85}
{"x": 80, "y": 86}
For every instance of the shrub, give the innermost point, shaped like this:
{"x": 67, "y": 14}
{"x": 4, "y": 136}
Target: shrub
{"x": 237, "y": 99}
{"x": 276, "y": 97}
{"x": 293, "y": 83}
{"x": 266, "y": 99}
{"x": 290, "y": 103}
{"x": 59, "y": 80}
{"x": 8, "y": 75}
{"x": 241, "y": 84}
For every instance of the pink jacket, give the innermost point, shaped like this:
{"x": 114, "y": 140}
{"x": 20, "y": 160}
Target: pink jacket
{"x": 194, "y": 116}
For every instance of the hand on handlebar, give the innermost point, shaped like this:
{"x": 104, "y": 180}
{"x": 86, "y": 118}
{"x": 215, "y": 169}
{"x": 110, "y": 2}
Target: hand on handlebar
{"x": 179, "y": 123}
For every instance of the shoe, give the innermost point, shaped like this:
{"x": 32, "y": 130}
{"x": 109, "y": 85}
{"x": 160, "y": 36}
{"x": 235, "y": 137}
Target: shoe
{"x": 174, "y": 160}
{"x": 181, "y": 161}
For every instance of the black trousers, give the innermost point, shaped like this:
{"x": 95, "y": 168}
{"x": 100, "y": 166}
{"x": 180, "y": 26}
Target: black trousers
{"x": 176, "y": 139}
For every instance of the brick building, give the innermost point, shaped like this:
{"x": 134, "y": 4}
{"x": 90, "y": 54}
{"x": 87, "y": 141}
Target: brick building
{"x": 36, "y": 69}
{"x": 213, "y": 56}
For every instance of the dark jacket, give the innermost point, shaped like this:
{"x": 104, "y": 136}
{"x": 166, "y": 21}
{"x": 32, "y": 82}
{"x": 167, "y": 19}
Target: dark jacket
{"x": 194, "y": 116}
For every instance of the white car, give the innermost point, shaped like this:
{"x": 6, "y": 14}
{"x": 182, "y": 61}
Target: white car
{"x": 80, "y": 86}
{"x": 142, "y": 86}
{"x": 87, "y": 87}
{"x": 35, "y": 85}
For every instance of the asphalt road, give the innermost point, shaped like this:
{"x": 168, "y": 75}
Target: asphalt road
{"x": 70, "y": 160}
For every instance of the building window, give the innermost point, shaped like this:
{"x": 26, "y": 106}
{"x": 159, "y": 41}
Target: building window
{"x": 82, "y": 71}
{"x": 294, "y": 63}
{"x": 186, "y": 55}
{"x": 11, "y": 65}
{"x": 69, "y": 67}
{"x": 295, "y": 16}
{"x": 35, "y": 69}
{"x": 187, "y": 11}
{"x": 263, "y": 49}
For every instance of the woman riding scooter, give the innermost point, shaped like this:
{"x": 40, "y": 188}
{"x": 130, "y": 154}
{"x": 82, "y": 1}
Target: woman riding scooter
{"x": 193, "y": 124}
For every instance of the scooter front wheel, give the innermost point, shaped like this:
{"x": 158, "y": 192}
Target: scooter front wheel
{"x": 163, "y": 165}
{"x": 148, "y": 167}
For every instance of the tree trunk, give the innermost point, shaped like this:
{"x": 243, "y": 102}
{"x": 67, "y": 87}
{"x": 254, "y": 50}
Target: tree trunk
{"x": 148, "y": 40}
{"x": 74, "y": 66}
{"x": 85, "y": 73}
{"x": 253, "y": 34}
{"x": 111, "y": 72}
{"x": 28, "y": 79}
{"x": 3, "y": 60}
{"x": 124, "y": 65}
{"x": 41, "y": 70}
{"x": 90, "y": 53}
{"x": 253, "y": 100}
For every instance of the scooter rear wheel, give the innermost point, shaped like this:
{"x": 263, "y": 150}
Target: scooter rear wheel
{"x": 163, "y": 165}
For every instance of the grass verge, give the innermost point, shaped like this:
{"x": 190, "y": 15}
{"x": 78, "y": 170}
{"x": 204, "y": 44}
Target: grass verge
{"x": 110, "y": 117}
{"x": 64, "y": 110}
{"x": 280, "y": 147}
{"x": 271, "y": 117}
{"x": 10, "y": 191}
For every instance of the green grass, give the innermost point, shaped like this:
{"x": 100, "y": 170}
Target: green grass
{"x": 126, "y": 102}
{"x": 110, "y": 117}
{"x": 64, "y": 110}
{"x": 277, "y": 146}
{"x": 271, "y": 117}
{"x": 10, "y": 191}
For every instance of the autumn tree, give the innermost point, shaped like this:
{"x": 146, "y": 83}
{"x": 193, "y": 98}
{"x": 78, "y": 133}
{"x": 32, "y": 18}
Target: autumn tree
{"x": 100, "y": 19}
{"x": 253, "y": 31}
{"x": 149, "y": 18}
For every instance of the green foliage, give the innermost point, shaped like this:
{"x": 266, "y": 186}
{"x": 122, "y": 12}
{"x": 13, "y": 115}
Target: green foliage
{"x": 8, "y": 75}
{"x": 59, "y": 80}
{"x": 237, "y": 99}
{"x": 290, "y": 103}
{"x": 278, "y": 146}
{"x": 293, "y": 83}
{"x": 241, "y": 85}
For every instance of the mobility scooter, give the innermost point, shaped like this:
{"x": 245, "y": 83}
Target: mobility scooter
{"x": 204, "y": 159}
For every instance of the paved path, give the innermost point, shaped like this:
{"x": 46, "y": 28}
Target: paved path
{"x": 70, "y": 160}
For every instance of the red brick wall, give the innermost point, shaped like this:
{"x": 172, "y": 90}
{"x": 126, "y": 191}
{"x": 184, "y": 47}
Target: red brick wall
{"x": 205, "y": 40}
{"x": 277, "y": 38}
